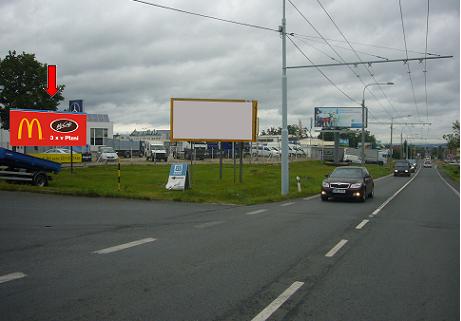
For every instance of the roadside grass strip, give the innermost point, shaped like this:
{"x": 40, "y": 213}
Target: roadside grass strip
{"x": 448, "y": 184}
{"x": 256, "y": 212}
{"x": 376, "y": 211}
{"x": 11, "y": 277}
{"x": 336, "y": 248}
{"x": 362, "y": 224}
{"x": 124, "y": 246}
{"x": 277, "y": 303}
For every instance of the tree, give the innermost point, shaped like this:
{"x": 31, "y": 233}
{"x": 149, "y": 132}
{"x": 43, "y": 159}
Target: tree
{"x": 23, "y": 80}
{"x": 453, "y": 138}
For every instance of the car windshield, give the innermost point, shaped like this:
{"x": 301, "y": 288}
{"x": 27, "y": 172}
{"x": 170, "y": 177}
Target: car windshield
{"x": 157, "y": 147}
{"x": 107, "y": 150}
{"x": 401, "y": 163}
{"x": 347, "y": 173}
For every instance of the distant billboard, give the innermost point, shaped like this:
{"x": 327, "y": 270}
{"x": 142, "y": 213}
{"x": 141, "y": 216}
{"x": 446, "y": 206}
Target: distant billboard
{"x": 339, "y": 117}
{"x": 46, "y": 128}
{"x": 213, "y": 120}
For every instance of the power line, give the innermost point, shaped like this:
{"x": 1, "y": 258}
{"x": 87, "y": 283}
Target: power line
{"x": 356, "y": 54}
{"x": 206, "y": 16}
{"x": 408, "y": 64}
{"x": 425, "y": 62}
{"x": 362, "y": 44}
{"x": 323, "y": 74}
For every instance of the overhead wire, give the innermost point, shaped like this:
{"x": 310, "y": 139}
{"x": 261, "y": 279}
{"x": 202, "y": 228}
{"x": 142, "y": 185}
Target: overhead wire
{"x": 335, "y": 51}
{"x": 321, "y": 72}
{"x": 408, "y": 63}
{"x": 356, "y": 54}
{"x": 250, "y": 25}
{"x": 425, "y": 70}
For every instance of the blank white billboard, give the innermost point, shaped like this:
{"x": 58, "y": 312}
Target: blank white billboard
{"x": 213, "y": 120}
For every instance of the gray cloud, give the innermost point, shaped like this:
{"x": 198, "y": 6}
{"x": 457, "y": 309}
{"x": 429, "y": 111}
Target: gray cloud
{"x": 128, "y": 59}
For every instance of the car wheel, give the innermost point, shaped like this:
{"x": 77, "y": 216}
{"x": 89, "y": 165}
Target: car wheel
{"x": 40, "y": 180}
{"x": 364, "y": 196}
{"x": 324, "y": 198}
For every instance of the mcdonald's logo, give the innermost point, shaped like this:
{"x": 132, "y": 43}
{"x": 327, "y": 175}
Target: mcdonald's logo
{"x": 29, "y": 128}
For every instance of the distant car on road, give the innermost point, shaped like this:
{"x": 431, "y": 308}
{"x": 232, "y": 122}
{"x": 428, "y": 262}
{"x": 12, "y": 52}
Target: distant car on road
{"x": 413, "y": 165}
{"x": 427, "y": 163}
{"x": 350, "y": 182}
{"x": 402, "y": 168}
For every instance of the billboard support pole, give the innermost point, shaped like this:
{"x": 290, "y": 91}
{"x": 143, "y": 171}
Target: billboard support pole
{"x": 71, "y": 159}
{"x": 241, "y": 163}
{"x": 233, "y": 157}
{"x": 220, "y": 160}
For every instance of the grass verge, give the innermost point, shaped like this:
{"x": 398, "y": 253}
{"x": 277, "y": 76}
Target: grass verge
{"x": 451, "y": 170}
{"x": 261, "y": 182}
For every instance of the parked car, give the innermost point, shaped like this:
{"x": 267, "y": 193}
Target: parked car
{"x": 350, "y": 182}
{"x": 264, "y": 151}
{"x": 58, "y": 151}
{"x": 402, "y": 168}
{"x": 352, "y": 159}
{"x": 427, "y": 163}
{"x": 107, "y": 154}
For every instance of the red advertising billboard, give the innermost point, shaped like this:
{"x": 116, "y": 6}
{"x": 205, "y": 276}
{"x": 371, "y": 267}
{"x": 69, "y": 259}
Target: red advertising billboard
{"x": 46, "y": 128}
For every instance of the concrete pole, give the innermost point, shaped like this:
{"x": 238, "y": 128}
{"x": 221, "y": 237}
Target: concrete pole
{"x": 284, "y": 167}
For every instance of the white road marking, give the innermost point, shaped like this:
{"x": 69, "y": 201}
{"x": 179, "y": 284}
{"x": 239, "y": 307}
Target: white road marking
{"x": 311, "y": 197}
{"x": 256, "y": 212}
{"x": 287, "y": 204}
{"x": 208, "y": 224}
{"x": 448, "y": 184}
{"x": 336, "y": 248}
{"x": 361, "y": 224}
{"x": 277, "y": 303}
{"x": 376, "y": 211}
{"x": 11, "y": 277}
{"x": 124, "y": 246}
{"x": 380, "y": 178}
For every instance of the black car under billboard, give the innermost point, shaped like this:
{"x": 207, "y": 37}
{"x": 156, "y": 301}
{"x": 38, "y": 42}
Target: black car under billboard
{"x": 348, "y": 183}
{"x": 402, "y": 168}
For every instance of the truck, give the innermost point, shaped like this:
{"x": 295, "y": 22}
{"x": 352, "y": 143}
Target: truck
{"x": 126, "y": 148}
{"x": 155, "y": 151}
{"x": 372, "y": 156}
{"x": 184, "y": 150}
{"x": 16, "y": 166}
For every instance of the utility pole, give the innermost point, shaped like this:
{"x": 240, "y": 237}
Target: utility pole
{"x": 401, "y": 145}
{"x": 284, "y": 167}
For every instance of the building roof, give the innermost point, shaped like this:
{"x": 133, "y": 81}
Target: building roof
{"x": 98, "y": 118}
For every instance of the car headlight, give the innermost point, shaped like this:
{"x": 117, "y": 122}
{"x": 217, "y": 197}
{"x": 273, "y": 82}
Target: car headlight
{"x": 356, "y": 185}
{"x": 325, "y": 184}
{"x": 395, "y": 170}
{"x": 406, "y": 171}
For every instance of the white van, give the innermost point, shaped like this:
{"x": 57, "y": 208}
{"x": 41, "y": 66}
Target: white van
{"x": 264, "y": 151}
{"x": 155, "y": 152}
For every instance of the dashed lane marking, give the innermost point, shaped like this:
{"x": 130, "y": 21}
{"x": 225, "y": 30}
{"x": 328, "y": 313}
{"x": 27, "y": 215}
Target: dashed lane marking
{"x": 208, "y": 224}
{"x": 361, "y": 224}
{"x": 277, "y": 303}
{"x": 124, "y": 246}
{"x": 11, "y": 277}
{"x": 257, "y": 212}
{"x": 287, "y": 204}
{"x": 336, "y": 248}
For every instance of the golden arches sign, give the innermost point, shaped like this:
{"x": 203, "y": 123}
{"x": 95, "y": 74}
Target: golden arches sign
{"x": 30, "y": 128}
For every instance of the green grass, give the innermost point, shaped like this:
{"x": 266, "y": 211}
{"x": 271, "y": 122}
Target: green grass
{"x": 261, "y": 182}
{"x": 451, "y": 170}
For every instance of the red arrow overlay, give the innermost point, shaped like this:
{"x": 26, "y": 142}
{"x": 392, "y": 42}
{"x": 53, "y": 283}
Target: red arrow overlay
{"x": 52, "y": 88}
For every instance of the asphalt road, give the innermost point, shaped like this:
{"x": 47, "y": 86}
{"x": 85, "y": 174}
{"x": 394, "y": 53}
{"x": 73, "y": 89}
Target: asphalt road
{"x": 64, "y": 258}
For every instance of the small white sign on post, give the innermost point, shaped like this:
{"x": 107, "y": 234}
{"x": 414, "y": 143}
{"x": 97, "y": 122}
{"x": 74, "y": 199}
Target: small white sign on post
{"x": 178, "y": 179}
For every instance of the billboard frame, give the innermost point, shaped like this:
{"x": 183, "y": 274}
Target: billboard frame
{"x": 358, "y": 108}
{"x": 254, "y": 111}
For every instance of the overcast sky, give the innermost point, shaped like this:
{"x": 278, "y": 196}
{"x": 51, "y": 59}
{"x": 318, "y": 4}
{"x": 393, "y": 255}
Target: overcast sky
{"x": 127, "y": 59}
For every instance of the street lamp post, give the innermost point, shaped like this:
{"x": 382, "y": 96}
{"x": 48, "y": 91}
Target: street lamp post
{"x": 363, "y": 114}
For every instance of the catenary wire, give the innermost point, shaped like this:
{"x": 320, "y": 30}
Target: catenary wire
{"x": 205, "y": 16}
{"x": 336, "y": 52}
{"x": 408, "y": 63}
